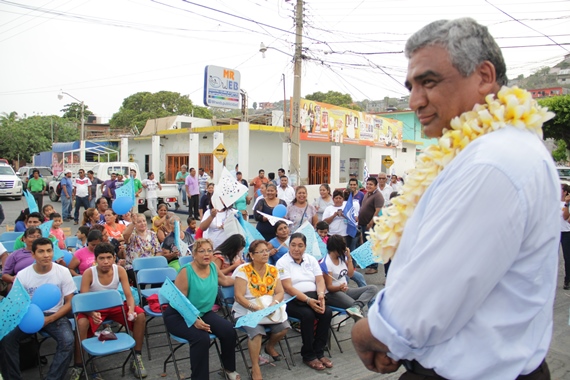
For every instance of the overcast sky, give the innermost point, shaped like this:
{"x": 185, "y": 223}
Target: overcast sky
{"x": 102, "y": 51}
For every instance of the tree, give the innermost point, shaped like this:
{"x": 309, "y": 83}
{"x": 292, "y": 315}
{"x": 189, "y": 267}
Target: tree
{"x": 72, "y": 112}
{"x": 335, "y": 98}
{"x": 558, "y": 127}
{"x": 142, "y": 106}
{"x": 560, "y": 153}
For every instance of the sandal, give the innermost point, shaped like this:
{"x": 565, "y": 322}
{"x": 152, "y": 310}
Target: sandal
{"x": 275, "y": 358}
{"x": 315, "y": 364}
{"x": 326, "y": 362}
{"x": 233, "y": 375}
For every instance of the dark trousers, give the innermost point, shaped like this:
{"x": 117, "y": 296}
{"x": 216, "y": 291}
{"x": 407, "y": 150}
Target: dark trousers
{"x": 80, "y": 201}
{"x": 314, "y": 338}
{"x": 200, "y": 340}
{"x": 39, "y": 197}
{"x": 2, "y": 217}
{"x": 541, "y": 373}
{"x": 565, "y": 242}
{"x": 193, "y": 206}
{"x": 60, "y": 330}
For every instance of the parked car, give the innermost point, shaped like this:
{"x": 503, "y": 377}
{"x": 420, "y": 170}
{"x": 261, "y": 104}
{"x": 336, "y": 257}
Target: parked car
{"x": 25, "y": 173}
{"x": 10, "y": 184}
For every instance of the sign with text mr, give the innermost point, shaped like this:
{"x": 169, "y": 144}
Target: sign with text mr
{"x": 221, "y": 87}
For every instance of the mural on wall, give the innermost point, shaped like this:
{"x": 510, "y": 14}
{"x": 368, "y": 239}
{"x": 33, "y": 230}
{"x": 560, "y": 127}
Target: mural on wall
{"x": 328, "y": 123}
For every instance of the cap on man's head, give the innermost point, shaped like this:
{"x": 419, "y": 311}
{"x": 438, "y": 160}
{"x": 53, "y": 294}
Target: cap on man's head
{"x": 67, "y": 171}
{"x": 353, "y": 174}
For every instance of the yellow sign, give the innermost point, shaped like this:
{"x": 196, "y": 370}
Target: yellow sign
{"x": 220, "y": 152}
{"x": 387, "y": 161}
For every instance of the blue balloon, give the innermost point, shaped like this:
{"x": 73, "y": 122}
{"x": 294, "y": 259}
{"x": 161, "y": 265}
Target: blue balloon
{"x": 279, "y": 211}
{"x": 46, "y": 296}
{"x": 67, "y": 256}
{"x": 122, "y": 205}
{"x": 33, "y": 320}
{"x": 258, "y": 193}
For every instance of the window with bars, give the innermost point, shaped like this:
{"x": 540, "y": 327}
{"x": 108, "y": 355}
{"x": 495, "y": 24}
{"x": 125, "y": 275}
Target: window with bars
{"x": 173, "y": 164}
{"x": 319, "y": 169}
{"x": 206, "y": 161}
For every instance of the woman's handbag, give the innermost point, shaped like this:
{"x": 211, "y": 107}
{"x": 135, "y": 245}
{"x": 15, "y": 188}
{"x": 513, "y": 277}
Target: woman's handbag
{"x": 279, "y": 316}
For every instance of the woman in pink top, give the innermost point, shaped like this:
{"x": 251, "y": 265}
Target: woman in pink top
{"x": 114, "y": 229}
{"x": 85, "y": 257}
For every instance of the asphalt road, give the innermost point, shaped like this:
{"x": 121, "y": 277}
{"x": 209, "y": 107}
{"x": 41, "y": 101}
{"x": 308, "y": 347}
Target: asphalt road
{"x": 346, "y": 363}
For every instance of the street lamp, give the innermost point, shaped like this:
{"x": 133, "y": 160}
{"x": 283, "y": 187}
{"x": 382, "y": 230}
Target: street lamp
{"x": 82, "y": 136}
{"x": 60, "y": 96}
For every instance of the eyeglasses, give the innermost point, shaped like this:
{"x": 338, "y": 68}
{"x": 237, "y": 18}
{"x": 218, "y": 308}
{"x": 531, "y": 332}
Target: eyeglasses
{"x": 205, "y": 250}
{"x": 262, "y": 251}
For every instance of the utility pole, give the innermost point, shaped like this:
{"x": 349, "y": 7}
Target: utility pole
{"x": 295, "y": 167}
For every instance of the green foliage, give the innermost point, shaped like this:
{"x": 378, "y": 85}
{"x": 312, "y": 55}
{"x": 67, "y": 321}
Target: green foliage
{"x": 72, "y": 112}
{"x": 142, "y": 106}
{"x": 28, "y": 136}
{"x": 558, "y": 127}
{"x": 560, "y": 153}
{"x": 335, "y": 98}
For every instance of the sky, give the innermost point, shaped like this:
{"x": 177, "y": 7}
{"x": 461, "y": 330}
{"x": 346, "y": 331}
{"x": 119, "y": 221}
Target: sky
{"x": 102, "y": 51}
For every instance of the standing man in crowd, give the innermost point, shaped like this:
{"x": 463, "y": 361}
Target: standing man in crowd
{"x": 93, "y": 188}
{"x": 152, "y": 186}
{"x": 356, "y": 193}
{"x": 257, "y": 181}
{"x": 181, "y": 182}
{"x": 56, "y": 323}
{"x": 371, "y": 205}
{"x": 66, "y": 195}
{"x": 108, "y": 189}
{"x": 203, "y": 179}
{"x": 37, "y": 187}
{"x": 384, "y": 188}
{"x": 81, "y": 187}
{"x": 284, "y": 191}
{"x": 193, "y": 191}
{"x": 353, "y": 175}
{"x": 478, "y": 263}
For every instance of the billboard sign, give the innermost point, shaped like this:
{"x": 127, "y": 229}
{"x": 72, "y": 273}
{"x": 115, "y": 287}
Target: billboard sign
{"x": 328, "y": 123}
{"x": 221, "y": 87}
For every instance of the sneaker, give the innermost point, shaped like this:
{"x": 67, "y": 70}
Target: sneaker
{"x": 134, "y": 368}
{"x": 76, "y": 373}
{"x": 567, "y": 285}
{"x": 96, "y": 376}
{"x": 355, "y": 313}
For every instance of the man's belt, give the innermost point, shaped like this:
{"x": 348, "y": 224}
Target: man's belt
{"x": 415, "y": 367}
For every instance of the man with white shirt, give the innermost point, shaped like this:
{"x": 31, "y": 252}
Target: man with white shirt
{"x": 56, "y": 323}
{"x": 284, "y": 191}
{"x": 81, "y": 193}
{"x": 384, "y": 188}
{"x": 471, "y": 288}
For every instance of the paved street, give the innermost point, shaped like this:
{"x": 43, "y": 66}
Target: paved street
{"x": 345, "y": 364}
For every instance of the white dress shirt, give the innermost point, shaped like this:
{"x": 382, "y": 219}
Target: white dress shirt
{"x": 471, "y": 289}
{"x": 287, "y": 194}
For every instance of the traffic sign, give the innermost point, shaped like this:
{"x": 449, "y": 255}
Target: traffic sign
{"x": 220, "y": 152}
{"x": 387, "y": 161}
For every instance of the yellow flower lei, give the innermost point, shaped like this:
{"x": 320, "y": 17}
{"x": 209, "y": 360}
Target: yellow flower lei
{"x": 513, "y": 107}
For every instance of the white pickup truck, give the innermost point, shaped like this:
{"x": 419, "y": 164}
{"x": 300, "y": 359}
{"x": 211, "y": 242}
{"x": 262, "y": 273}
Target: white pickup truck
{"x": 168, "y": 194}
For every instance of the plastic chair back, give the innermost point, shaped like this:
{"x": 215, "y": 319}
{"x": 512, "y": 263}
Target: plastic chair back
{"x": 155, "y": 275}
{"x": 9, "y": 245}
{"x": 71, "y": 242}
{"x": 9, "y": 236}
{"x": 185, "y": 260}
{"x": 77, "y": 280}
{"x": 149, "y": 263}
{"x": 86, "y": 302}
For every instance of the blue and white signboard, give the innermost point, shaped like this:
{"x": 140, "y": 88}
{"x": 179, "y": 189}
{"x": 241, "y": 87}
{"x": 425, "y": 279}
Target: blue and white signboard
{"x": 221, "y": 87}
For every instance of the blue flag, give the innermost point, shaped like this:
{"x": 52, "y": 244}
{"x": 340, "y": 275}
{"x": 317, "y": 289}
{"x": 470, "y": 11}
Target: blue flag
{"x": 348, "y": 212}
{"x": 127, "y": 190}
{"x": 363, "y": 255}
{"x": 13, "y": 308}
{"x": 45, "y": 228}
{"x": 32, "y": 204}
{"x": 251, "y": 233}
{"x": 253, "y": 319}
{"x": 179, "y": 302}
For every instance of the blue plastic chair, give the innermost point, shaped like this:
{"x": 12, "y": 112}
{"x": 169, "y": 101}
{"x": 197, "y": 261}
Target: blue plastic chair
{"x": 9, "y": 245}
{"x": 92, "y": 301}
{"x": 155, "y": 276}
{"x": 185, "y": 260}
{"x": 9, "y": 236}
{"x": 71, "y": 241}
{"x": 77, "y": 280}
{"x": 149, "y": 263}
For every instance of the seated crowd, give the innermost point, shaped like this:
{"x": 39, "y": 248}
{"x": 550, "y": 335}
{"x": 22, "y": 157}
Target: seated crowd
{"x": 272, "y": 270}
